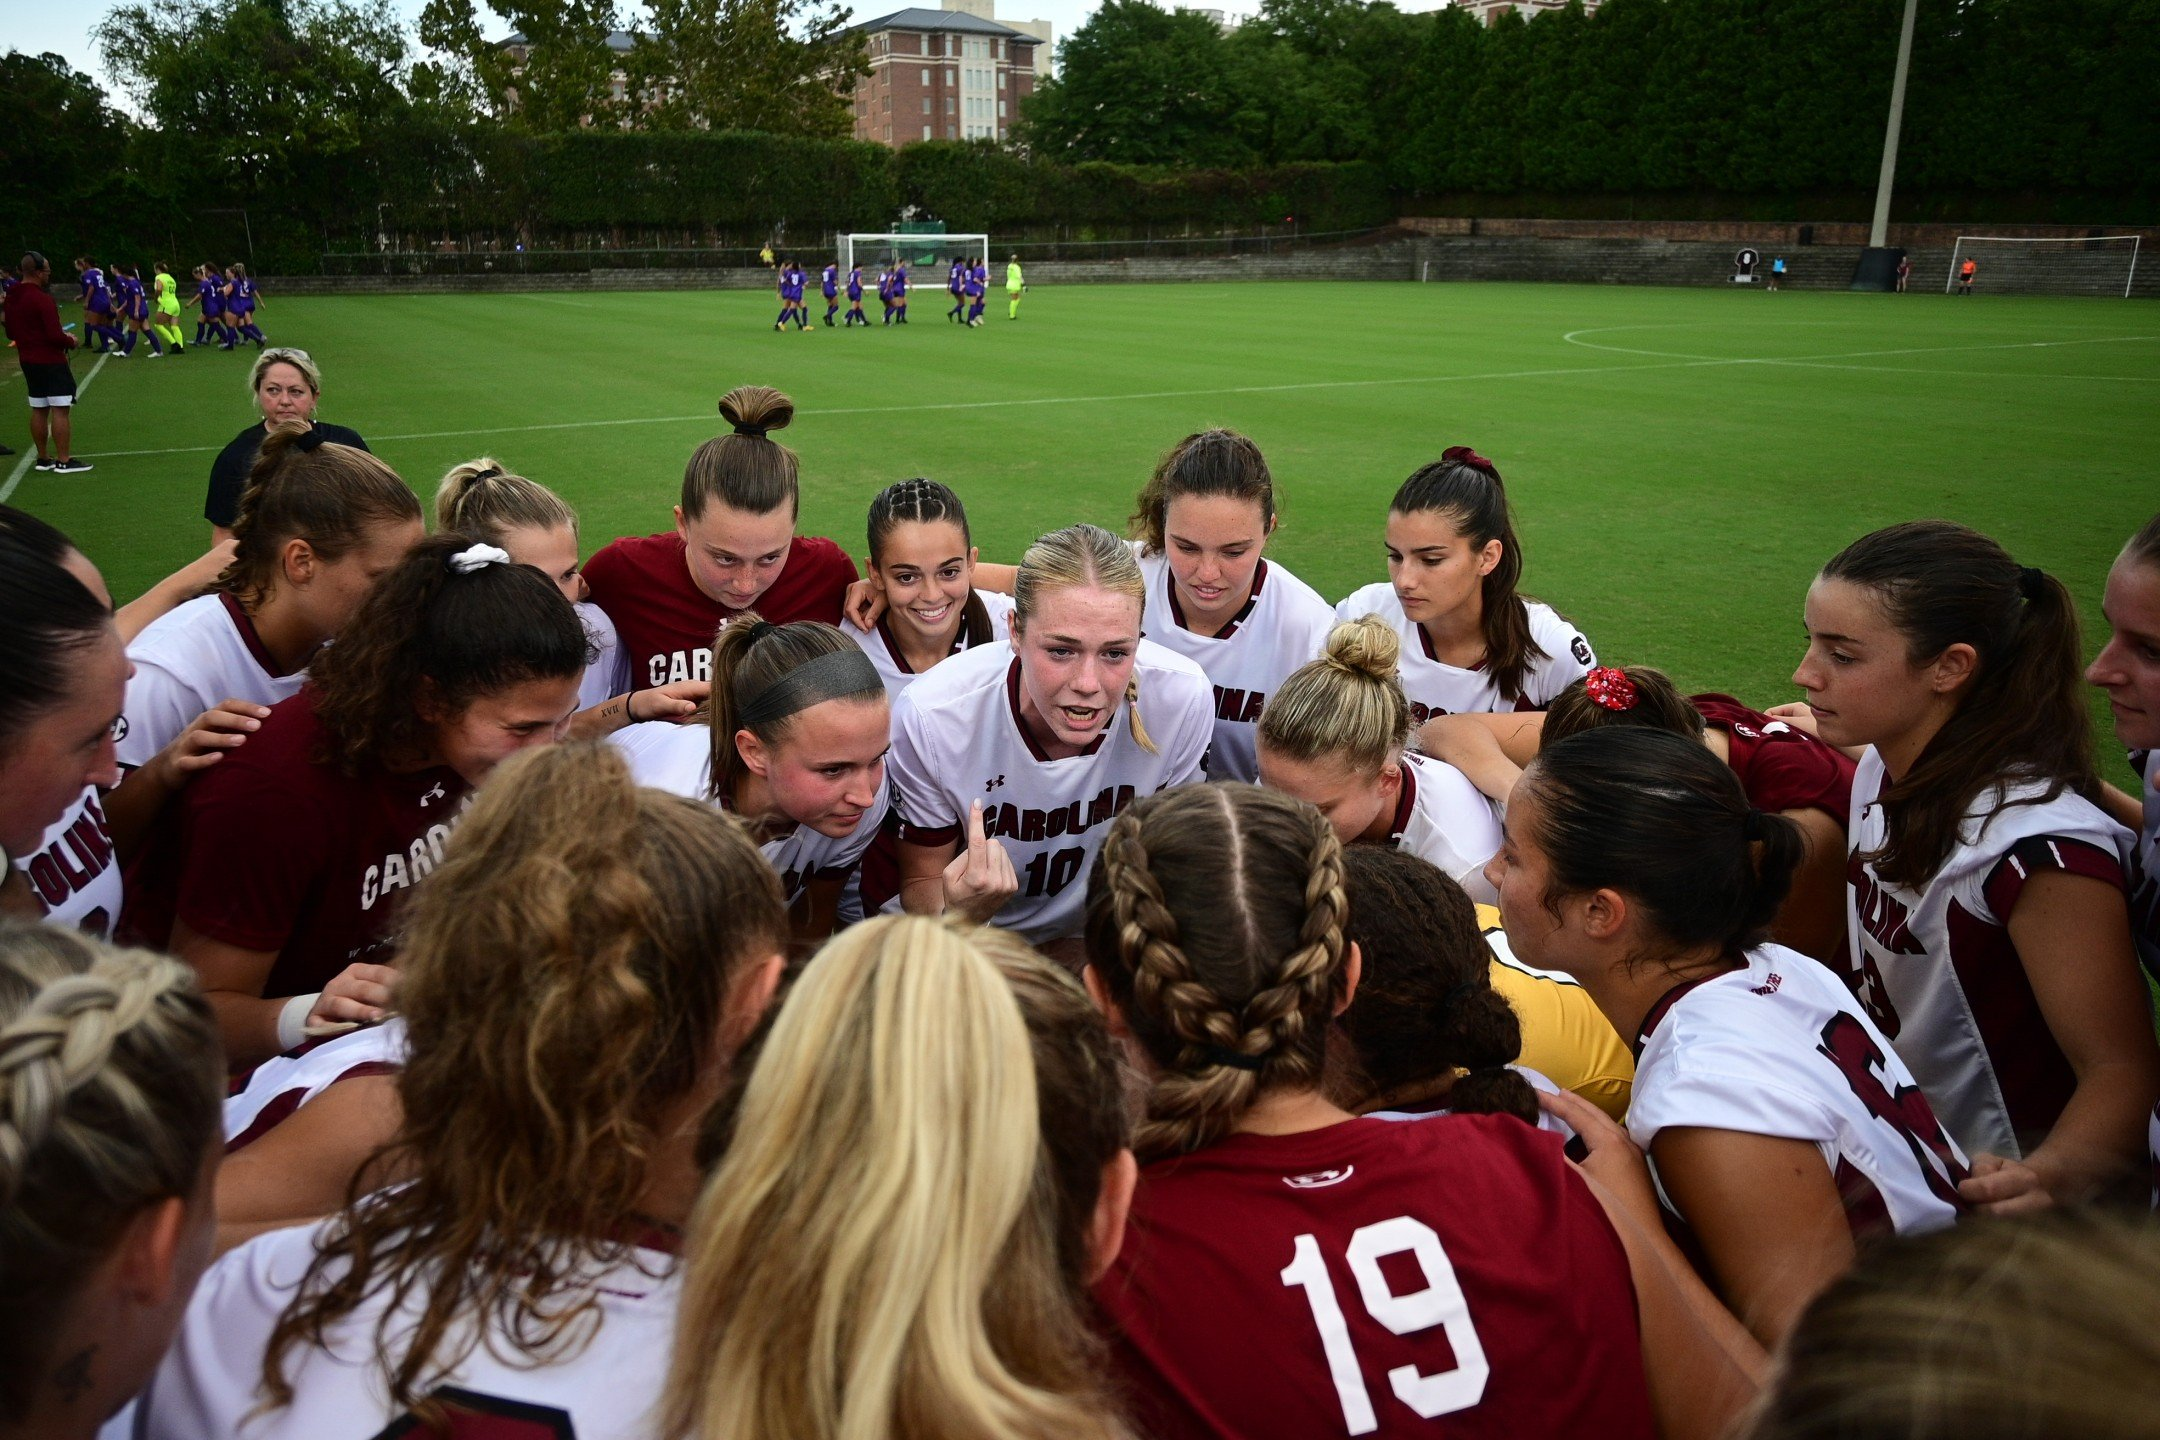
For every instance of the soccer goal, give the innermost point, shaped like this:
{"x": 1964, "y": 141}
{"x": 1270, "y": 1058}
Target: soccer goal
{"x": 918, "y": 250}
{"x": 2010, "y": 265}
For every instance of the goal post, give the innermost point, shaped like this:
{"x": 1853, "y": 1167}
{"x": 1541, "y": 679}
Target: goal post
{"x": 2057, "y": 265}
{"x": 883, "y": 246}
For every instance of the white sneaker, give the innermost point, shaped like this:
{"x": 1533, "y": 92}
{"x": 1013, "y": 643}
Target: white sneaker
{"x": 157, "y": 355}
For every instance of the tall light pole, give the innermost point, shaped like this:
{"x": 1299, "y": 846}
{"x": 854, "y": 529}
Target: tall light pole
{"x": 1878, "y": 263}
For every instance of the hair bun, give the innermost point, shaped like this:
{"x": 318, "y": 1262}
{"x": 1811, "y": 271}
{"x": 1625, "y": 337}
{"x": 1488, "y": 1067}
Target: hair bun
{"x": 756, "y": 410}
{"x": 1368, "y": 645}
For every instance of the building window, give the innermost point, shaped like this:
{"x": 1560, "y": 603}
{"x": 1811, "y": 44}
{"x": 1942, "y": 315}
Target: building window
{"x": 1001, "y": 82}
{"x": 926, "y": 128}
{"x": 925, "y": 104}
{"x": 926, "y": 77}
{"x": 948, "y": 105}
{"x": 1001, "y": 109}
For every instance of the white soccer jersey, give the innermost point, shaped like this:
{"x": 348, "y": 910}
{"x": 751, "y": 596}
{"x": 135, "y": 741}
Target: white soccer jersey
{"x": 188, "y": 660}
{"x": 1936, "y": 967}
{"x": 1546, "y": 1121}
{"x": 1439, "y": 689}
{"x": 1284, "y": 625}
{"x": 609, "y": 673}
{"x": 208, "y": 1383}
{"x": 281, "y": 1085}
{"x": 884, "y": 651}
{"x": 1782, "y": 1049}
{"x": 73, "y": 871}
{"x": 678, "y": 759}
{"x": 1444, "y": 820}
{"x": 958, "y": 738}
{"x": 2145, "y": 897}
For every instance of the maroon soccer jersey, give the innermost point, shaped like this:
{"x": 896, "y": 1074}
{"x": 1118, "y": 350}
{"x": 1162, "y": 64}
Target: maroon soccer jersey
{"x": 667, "y": 624}
{"x": 1371, "y": 1277}
{"x": 283, "y": 852}
{"x": 1780, "y": 768}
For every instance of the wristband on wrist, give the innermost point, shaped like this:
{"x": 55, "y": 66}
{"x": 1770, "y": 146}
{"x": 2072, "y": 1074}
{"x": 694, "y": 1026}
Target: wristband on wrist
{"x": 629, "y": 707}
{"x": 292, "y": 1021}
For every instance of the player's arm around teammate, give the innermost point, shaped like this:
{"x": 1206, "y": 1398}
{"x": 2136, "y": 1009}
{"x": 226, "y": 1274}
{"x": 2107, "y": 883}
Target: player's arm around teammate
{"x": 293, "y": 854}
{"x": 1988, "y": 912}
{"x": 1470, "y": 641}
{"x": 1782, "y": 1126}
{"x": 1215, "y": 945}
{"x": 1784, "y": 769}
{"x": 579, "y": 973}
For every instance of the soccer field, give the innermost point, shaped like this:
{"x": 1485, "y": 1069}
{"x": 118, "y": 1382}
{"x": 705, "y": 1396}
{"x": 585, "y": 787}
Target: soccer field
{"x": 1680, "y": 461}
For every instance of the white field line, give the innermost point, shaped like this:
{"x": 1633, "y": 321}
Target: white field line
{"x": 1667, "y": 363}
{"x": 23, "y": 464}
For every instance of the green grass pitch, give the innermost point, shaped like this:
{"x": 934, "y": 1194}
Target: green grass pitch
{"x": 1680, "y": 461}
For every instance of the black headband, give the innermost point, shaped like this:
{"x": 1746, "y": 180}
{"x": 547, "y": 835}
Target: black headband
{"x": 2032, "y": 584}
{"x": 831, "y": 676}
{"x": 757, "y": 430}
{"x": 310, "y": 442}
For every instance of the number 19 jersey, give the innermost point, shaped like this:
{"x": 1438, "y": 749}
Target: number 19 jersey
{"x": 1370, "y": 1278}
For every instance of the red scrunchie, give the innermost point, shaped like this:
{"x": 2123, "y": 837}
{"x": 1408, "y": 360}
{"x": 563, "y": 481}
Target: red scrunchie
{"x": 1464, "y": 455}
{"x": 1611, "y": 688}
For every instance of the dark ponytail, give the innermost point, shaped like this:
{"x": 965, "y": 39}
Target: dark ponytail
{"x": 1465, "y": 487}
{"x": 924, "y": 502}
{"x": 1425, "y": 1007}
{"x": 2022, "y": 715}
{"x": 1660, "y": 819}
{"x": 428, "y": 628}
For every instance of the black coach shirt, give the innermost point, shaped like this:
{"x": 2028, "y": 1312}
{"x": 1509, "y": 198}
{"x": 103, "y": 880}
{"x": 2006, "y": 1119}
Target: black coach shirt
{"x": 229, "y": 472}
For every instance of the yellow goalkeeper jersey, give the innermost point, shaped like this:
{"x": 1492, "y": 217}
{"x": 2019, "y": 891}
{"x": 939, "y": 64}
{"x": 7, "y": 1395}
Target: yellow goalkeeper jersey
{"x": 1565, "y": 1037}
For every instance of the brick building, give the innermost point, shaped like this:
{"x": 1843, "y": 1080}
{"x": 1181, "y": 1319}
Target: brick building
{"x": 1489, "y": 11}
{"x": 941, "y": 75}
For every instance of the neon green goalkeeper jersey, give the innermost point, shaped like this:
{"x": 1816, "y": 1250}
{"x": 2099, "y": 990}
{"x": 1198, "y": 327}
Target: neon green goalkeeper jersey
{"x": 1012, "y": 276}
{"x": 168, "y": 296}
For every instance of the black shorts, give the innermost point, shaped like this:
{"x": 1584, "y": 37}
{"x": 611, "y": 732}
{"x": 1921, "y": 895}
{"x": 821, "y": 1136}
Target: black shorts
{"x": 51, "y": 386}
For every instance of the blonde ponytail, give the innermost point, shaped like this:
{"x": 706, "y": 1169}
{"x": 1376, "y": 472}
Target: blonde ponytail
{"x": 483, "y": 500}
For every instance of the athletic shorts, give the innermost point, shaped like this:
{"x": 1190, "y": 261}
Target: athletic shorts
{"x": 52, "y": 387}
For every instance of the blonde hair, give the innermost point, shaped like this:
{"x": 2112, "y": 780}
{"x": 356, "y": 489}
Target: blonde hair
{"x": 863, "y": 1262}
{"x": 744, "y": 470}
{"x": 481, "y": 499}
{"x": 1348, "y": 706}
{"x": 565, "y": 969}
{"x": 1215, "y": 917}
{"x": 111, "y": 1092}
{"x": 2024, "y": 1329}
{"x": 300, "y": 360}
{"x": 1077, "y": 557}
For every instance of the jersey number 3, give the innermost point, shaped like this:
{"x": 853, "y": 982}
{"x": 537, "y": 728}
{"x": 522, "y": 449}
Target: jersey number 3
{"x": 1441, "y": 1303}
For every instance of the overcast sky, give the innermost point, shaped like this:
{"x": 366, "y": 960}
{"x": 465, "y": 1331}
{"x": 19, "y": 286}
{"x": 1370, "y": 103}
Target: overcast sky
{"x": 64, "y": 25}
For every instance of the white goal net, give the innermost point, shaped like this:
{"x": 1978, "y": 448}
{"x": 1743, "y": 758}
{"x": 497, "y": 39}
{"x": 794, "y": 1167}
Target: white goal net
{"x": 937, "y": 251}
{"x": 2008, "y": 265}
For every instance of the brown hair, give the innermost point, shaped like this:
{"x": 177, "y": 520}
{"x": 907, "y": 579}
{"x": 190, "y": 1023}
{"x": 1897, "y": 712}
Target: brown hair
{"x": 2022, "y": 715}
{"x": 748, "y": 656}
{"x": 925, "y": 502}
{"x": 330, "y": 496}
{"x": 1465, "y": 487}
{"x": 425, "y": 628}
{"x": 1425, "y": 1006}
{"x": 1348, "y": 706}
{"x": 111, "y": 1090}
{"x": 481, "y": 499}
{"x": 1659, "y": 705}
{"x": 2026, "y": 1329}
{"x": 745, "y": 470}
{"x": 1212, "y": 462}
{"x": 1214, "y": 917}
{"x": 2144, "y": 546}
{"x": 564, "y": 973}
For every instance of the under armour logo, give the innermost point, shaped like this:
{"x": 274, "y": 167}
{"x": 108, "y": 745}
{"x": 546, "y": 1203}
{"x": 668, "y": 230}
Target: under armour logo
{"x": 435, "y": 793}
{"x": 994, "y": 785}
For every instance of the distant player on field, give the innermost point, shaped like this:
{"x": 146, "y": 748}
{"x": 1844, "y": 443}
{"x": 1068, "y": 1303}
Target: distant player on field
{"x": 884, "y": 291}
{"x": 956, "y": 286}
{"x": 978, "y": 282}
{"x": 1904, "y": 272}
{"x": 1015, "y": 284}
{"x": 829, "y": 282}
{"x": 1966, "y": 272}
{"x": 899, "y": 293}
{"x": 1777, "y": 273}
{"x": 855, "y": 314}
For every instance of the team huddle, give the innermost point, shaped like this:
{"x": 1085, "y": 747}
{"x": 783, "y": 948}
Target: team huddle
{"x": 967, "y": 282}
{"x": 1109, "y": 991}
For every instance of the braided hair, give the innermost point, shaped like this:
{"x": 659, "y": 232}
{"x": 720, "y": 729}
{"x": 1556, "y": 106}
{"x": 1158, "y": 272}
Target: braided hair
{"x": 1215, "y": 918}
{"x": 111, "y": 1091}
{"x": 925, "y": 502}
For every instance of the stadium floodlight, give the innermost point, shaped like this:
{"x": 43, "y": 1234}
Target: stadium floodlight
{"x": 882, "y": 247}
{"x": 2057, "y": 265}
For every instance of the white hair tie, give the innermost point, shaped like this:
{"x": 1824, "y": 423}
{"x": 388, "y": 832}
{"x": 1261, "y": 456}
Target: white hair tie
{"x": 473, "y": 557}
